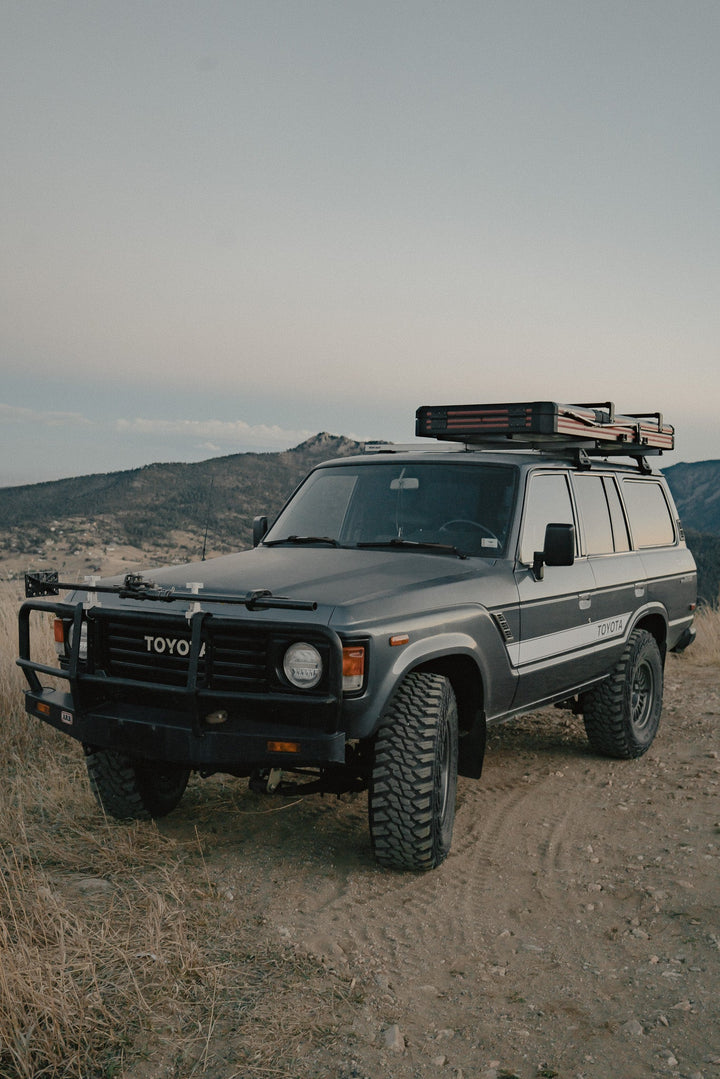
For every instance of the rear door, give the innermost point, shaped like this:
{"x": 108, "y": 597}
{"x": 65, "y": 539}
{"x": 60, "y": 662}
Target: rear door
{"x": 554, "y": 653}
{"x": 618, "y": 572}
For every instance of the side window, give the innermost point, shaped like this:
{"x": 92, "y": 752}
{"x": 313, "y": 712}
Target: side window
{"x": 602, "y": 514}
{"x": 617, "y": 517}
{"x": 595, "y": 514}
{"x": 548, "y": 502}
{"x": 650, "y": 521}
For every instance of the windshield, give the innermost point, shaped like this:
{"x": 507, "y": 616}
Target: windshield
{"x": 462, "y": 506}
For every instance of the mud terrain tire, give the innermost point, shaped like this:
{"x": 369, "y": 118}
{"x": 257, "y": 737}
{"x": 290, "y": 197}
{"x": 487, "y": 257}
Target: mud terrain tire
{"x": 130, "y": 789}
{"x": 623, "y": 714}
{"x": 414, "y": 777}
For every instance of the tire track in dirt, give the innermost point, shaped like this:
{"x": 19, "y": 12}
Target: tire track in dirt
{"x": 514, "y": 844}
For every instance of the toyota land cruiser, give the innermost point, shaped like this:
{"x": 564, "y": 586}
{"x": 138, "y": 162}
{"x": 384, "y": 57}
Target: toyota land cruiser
{"x": 402, "y": 602}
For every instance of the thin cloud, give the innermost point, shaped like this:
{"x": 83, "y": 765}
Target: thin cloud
{"x": 67, "y": 443}
{"x": 212, "y": 434}
{"x": 216, "y": 433}
{"x": 15, "y": 414}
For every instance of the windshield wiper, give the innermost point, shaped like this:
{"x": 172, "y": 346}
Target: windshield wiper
{"x": 397, "y": 541}
{"x": 303, "y": 539}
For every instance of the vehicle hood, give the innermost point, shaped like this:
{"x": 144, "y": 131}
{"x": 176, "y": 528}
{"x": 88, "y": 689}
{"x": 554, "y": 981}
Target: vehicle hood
{"x": 349, "y": 586}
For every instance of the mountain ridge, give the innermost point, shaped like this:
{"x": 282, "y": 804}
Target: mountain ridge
{"x": 173, "y": 506}
{"x": 696, "y": 490}
{"x": 144, "y": 507}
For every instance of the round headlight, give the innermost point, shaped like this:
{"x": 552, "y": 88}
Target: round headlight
{"x": 303, "y": 665}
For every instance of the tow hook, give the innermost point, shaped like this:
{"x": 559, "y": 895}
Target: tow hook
{"x": 265, "y": 780}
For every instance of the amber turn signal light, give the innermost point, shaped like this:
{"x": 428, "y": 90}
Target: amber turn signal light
{"x": 283, "y": 747}
{"x": 353, "y": 667}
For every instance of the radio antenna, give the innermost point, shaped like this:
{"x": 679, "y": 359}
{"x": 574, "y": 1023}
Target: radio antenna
{"x": 207, "y": 518}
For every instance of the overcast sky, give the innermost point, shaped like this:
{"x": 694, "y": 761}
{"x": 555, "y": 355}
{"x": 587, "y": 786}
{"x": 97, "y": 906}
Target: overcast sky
{"x": 229, "y": 224}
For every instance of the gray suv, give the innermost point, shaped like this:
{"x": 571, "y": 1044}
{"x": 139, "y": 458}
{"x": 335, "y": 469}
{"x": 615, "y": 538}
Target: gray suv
{"x": 402, "y": 602}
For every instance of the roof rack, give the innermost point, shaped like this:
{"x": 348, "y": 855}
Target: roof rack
{"x": 546, "y": 425}
{"x": 409, "y": 447}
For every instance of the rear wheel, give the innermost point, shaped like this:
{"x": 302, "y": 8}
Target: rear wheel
{"x": 623, "y": 714}
{"x": 131, "y": 789}
{"x": 414, "y": 776}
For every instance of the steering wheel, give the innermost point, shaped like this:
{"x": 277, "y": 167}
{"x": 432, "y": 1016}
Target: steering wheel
{"x": 463, "y": 523}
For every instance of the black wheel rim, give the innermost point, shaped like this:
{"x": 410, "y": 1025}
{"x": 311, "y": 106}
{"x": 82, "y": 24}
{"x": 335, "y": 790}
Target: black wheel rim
{"x": 443, "y": 778}
{"x": 643, "y": 697}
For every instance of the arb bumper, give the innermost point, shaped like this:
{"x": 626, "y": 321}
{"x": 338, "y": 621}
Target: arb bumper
{"x": 153, "y": 734}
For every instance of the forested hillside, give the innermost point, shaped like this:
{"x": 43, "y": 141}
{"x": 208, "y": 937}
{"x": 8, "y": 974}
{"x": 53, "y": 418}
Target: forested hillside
{"x": 706, "y": 549}
{"x": 696, "y": 490}
{"x": 144, "y": 505}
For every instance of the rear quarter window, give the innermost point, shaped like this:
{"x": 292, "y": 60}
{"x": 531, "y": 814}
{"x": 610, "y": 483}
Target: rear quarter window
{"x": 650, "y": 518}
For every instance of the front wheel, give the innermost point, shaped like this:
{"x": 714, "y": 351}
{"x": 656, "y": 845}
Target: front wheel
{"x": 622, "y": 714}
{"x": 131, "y": 789}
{"x": 414, "y": 776}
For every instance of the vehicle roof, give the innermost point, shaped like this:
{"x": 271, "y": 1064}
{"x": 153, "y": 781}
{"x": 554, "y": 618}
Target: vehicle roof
{"x": 525, "y": 459}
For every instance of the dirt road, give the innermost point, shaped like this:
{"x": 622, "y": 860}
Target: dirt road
{"x": 572, "y": 932}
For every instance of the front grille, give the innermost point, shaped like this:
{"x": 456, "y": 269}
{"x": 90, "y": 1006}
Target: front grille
{"x": 239, "y": 662}
{"x": 158, "y": 652}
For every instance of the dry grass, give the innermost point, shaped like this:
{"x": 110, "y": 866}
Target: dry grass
{"x": 20, "y": 741}
{"x": 82, "y": 937}
{"x": 115, "y": 954}
{"x": 705, "y": 652}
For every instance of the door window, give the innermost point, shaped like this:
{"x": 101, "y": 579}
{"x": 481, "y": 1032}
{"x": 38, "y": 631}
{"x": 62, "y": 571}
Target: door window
{"x": 548, "y": 502}
{"x": 602, "y": 514}
{"x": 621, "y": 539}
{"x": 594, "y": 513}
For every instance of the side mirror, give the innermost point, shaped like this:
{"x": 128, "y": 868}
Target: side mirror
{"x": 559, "y": 549}
{"x": 260, "y": 527}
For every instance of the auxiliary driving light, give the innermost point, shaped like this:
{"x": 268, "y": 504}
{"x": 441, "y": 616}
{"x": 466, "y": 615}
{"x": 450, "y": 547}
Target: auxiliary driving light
{"x": 215, "y": 719}
{"x": 83, "y": 639}
{"x": 302, "y": 665}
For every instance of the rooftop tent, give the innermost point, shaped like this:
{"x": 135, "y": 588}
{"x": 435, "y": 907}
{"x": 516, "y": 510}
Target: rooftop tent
{"x": 595, "y": 428}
